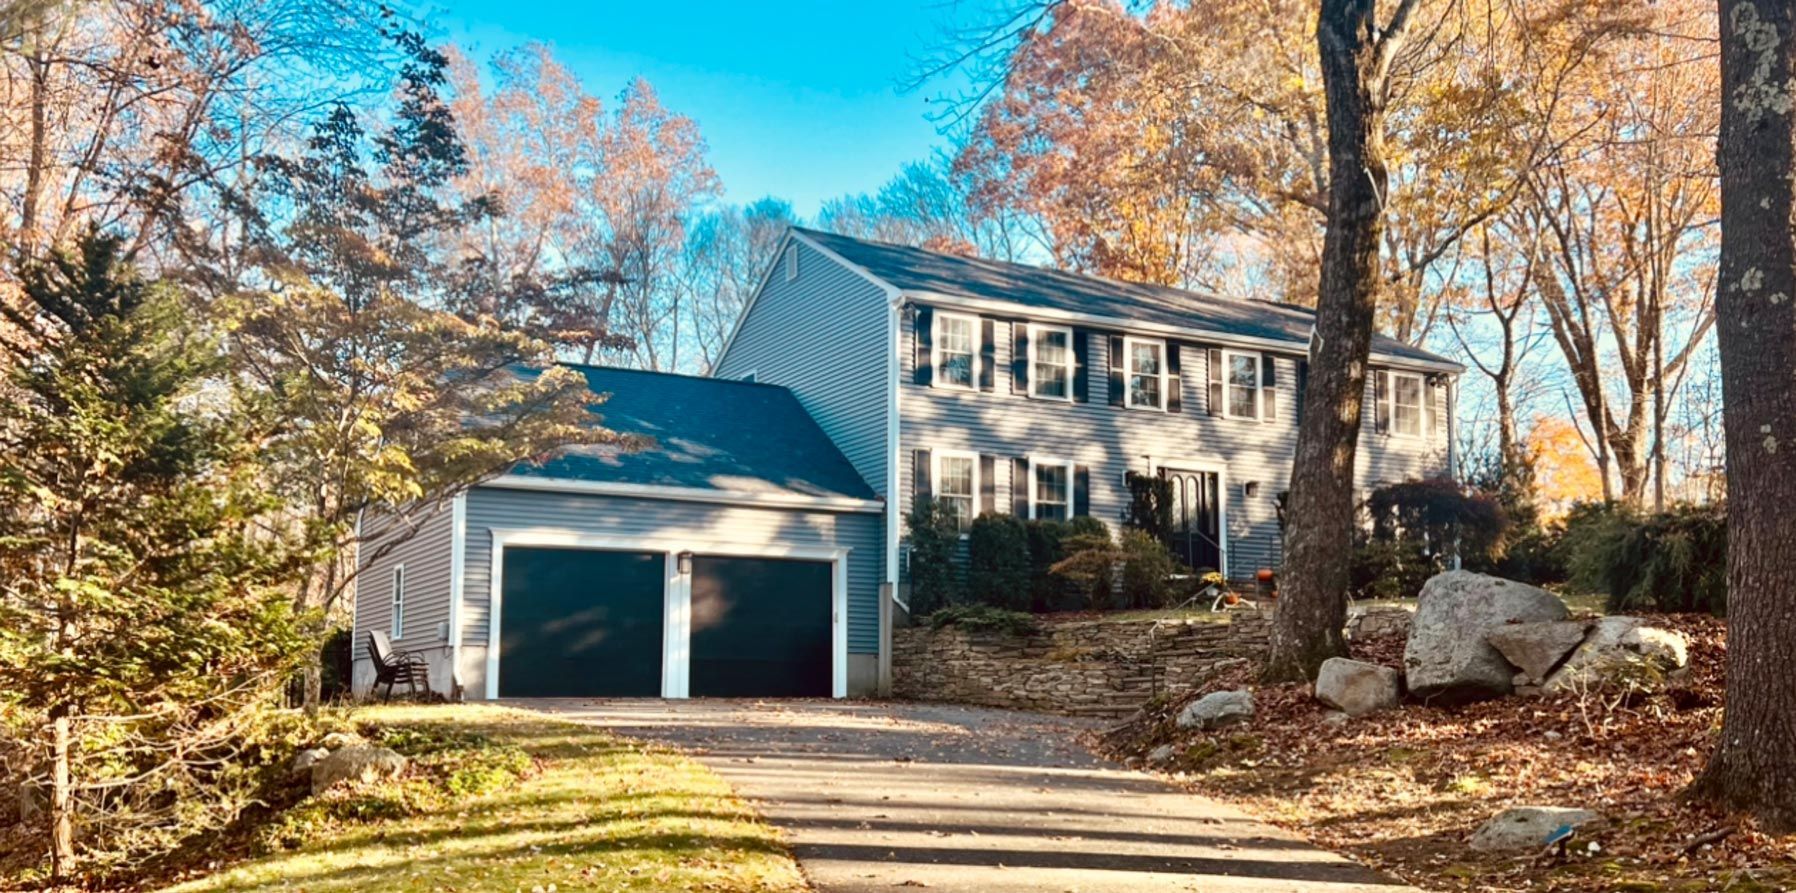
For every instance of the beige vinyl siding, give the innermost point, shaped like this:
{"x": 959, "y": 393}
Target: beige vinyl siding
{"x": 425, "y": 554}
{"x": 491, "y": 508}
{"x": 822, "y": 336}
{"x": 1112, "y": 440}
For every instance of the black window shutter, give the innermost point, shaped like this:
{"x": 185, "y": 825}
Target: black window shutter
{"x": 1303, "y": 386}
{"x": 1174, "y": 401}
{"x": 988, "y": 356}
{"x": 1214, "y": 361}
{"x": 923, "y": 360}
{"x": 1019, "y": 358}
{"x": 988, "y": 485}
{"x": 1382, "y": 398}
{"x": 1117, "y": 383}
{"x": 1268, "y": 388}
{"x": 1019, "y": 487}
{"x": 1082, "y": 490}
{"x": 920, "y": 487}
{"x": 1081, "y": 366}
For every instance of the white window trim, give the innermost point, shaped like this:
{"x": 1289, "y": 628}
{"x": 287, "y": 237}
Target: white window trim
{"x": 396, "y": 604}
{"x": 792, "y": 263}
{"x": 935, "y": 351}
{"x": 1071, "y": 481}
{"x": 1070, "y": 365}
{"x": 935, "y": 476}
{"x": 1128, "y": 367}
{"x": 676, "y": 655}
{"x": 1259, "y": 385}
{"x": 1421, "y": 404}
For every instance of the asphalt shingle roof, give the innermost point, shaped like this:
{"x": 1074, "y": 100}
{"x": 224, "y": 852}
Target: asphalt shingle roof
{"x": 708, "y": 433}
{"x": 914, "y": 269}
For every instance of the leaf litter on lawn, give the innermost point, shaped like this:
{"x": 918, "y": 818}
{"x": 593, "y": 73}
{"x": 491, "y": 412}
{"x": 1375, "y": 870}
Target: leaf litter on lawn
{"x": 1404, "y": 789}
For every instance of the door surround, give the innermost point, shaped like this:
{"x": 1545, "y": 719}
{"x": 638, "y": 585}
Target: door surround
{"x": 1206, "y": 466}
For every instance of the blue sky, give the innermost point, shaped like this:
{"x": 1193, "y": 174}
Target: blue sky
{"x": 798, "y": 98}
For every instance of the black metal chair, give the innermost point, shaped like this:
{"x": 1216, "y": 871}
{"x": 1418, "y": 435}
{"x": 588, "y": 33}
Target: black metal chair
{"x": 396, "y": 666}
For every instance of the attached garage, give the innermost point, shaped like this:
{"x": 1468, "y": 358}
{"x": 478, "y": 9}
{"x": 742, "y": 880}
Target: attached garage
{"x": 733, "y": 552}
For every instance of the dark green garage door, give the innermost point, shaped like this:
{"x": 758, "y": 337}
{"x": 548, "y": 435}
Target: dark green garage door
{"x": 760, "y": 628}
{"x": 581, "y": 623}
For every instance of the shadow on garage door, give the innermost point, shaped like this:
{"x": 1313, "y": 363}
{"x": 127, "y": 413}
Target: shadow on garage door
{"x": 589, "y": 623}
{"x": 581, "y": 623}
{"x": 760, "y": 627}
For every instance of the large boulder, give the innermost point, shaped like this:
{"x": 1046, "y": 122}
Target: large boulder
{"x": 358, "y": 764}
{"x": 305, "y": 760}
{"x": 1538, "y": 648}
{"x": 1447, "y": 657}
{"x": 1528, "y": 827}
{"x": 1357, "y": 688}
{"x": 1217, "y": 709}
{"x": 1621, "y": 651}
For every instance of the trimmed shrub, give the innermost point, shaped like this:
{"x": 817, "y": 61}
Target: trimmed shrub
{"x": 1413, "y": 529}
{"x": 934, "y": 535}
{"x": 1087, "y": 574}
{"x": 998, "y": 562}
{"x": 984, "y": 618}
{"x": 1046, "y": 549}
{"x": 1147, "y": 570}
{"x": 1673, "y": 561}
{"x": 1150, "y": 504}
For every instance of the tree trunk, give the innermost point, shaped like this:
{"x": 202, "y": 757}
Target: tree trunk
{"x": 1754, "y": 764}
{"x": 1312, "y": 609}
{"x": 62, "y": 824}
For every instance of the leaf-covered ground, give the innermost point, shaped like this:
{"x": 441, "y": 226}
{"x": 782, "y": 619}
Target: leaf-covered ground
{"x": 1404, "y": 790}
{"x": 583, "y": 810}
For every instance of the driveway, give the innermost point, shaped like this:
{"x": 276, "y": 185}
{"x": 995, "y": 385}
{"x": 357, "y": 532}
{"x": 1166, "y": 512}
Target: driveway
{"x": 896, "y": 795}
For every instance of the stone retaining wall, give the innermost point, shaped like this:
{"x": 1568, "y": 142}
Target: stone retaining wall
{"x": 1077, "y": 667}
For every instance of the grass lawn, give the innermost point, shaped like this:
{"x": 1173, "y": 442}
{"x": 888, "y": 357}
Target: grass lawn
{"x": 597, "y": 813}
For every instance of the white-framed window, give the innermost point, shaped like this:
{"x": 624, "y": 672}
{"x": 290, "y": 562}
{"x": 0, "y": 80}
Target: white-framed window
{"x": 1407, "y": 393}
{"x": 1051, "y": 362}
{"x": 751, "y": 376}
{"x": 956, "y": 351}
{"x": 1050, "y": 489}
{"x": 398, "y": 603}
{"x": 1144, "y": 369}
{"x": 954, "y": 479}
{"x": 1241, "y": 384}
{"x": 791, "y": 264}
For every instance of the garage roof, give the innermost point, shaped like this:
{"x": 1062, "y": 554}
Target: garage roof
{"x": 706, "y": 433}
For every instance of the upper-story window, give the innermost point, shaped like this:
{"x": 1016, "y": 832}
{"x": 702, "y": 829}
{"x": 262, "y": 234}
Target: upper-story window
{"x": 1406, "y": 404}
{"x": 1242, "y": 380}
{"x": 791, "y": 264}
{"x": 1050, "y": 489}
{"x": 956, "y": 340}
{"x": 1051, "y": 362}
{"x": 956, "y": 477}
{"x": 1145, "y": 365}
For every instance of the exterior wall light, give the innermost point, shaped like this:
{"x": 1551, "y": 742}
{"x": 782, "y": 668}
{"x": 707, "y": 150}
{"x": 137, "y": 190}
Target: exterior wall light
{"x": 684, "y": 563}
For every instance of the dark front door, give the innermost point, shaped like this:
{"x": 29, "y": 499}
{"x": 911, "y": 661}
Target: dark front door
{"x": 760, "y": 627}
{"x": 581, "y": 623}
{"x": 1196, "y": 533}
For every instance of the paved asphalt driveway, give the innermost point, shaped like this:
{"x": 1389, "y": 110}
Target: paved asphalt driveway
{"x": 900, "y": 795}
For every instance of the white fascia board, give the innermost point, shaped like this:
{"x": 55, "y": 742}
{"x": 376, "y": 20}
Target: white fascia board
{"x": 686, "y": 494}
{"x": 1134, "y": 325}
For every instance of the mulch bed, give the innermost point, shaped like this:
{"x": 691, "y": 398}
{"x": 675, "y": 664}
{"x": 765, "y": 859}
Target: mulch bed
{"x": 1403, "y": 790}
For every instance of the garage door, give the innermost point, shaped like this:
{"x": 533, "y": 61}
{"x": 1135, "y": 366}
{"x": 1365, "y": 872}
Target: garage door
{"x": 581, "y": 623}
{"x": 760, "y": 628}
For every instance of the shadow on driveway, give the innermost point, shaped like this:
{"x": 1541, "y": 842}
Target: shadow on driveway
{"x": 874, "y": 796}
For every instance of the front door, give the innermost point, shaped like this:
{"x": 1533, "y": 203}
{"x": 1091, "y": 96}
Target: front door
{"x": 1196, "y": 533}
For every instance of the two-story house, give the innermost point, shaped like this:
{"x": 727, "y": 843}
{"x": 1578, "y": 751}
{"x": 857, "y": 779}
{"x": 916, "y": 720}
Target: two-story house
{"x": 756, "y": 547}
